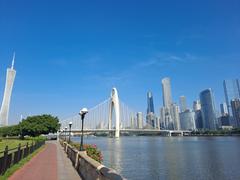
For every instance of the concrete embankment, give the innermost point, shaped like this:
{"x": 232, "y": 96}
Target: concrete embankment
{"x": 87, "y": 167}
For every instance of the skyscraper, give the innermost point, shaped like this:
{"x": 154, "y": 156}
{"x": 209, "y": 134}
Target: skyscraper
{"x": 208, "y": 109}
{"x": 174, "y": 111}
{"x": 197, "y": 114}
{"x": 187, "y": 120}
{"x": 11, "y": 73}
{"x": 183, "y": 103}
{"x": 166, "y": 88}
{"x": 150, "y": 106}
{"x": 150, "y": 118}
{"x": 139, "y": 120}
{"x": 231, "y": 91}
{"x": 169, "y": 114}
{"x": 196, "y": 105}
{"x": 223, "y": 108}
{"x": 235, "y": 104}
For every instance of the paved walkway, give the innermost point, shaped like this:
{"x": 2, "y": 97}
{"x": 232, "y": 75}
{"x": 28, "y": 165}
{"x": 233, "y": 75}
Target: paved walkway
{"x": 51, "y": 163}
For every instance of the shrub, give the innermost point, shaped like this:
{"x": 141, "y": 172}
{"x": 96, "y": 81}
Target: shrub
{"x": 92, "y": 151}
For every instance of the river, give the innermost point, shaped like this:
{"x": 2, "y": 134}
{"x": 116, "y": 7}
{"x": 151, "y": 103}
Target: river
{"x": 184, "y": 158}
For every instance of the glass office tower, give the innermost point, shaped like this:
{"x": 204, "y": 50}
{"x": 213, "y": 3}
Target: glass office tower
{"x": 231, "y": 91}
{"x": 208, "y": 110}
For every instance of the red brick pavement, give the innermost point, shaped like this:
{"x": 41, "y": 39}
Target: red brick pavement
{"x": 43, "y": 166}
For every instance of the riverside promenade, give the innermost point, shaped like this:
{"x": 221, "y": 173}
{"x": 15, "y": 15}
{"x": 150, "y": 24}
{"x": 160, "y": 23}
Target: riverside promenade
{"x": 50, "y": 163}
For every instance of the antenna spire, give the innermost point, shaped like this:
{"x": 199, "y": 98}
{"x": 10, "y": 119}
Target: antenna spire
{"x": 13, "y": 61}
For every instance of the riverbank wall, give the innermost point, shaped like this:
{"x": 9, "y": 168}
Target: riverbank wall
{"x": 87, "y": 167}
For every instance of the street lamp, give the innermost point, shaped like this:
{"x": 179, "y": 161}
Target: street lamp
{"x": 70, "y": 125}
{"x": 82, "y": 113}
{"x": 66, "y": 133}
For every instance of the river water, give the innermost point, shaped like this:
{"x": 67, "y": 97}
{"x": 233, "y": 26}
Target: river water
{"x": 184, "y": 158}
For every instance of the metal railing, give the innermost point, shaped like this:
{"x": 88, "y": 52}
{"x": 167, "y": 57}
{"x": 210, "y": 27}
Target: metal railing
{"x": 14, "y": 155}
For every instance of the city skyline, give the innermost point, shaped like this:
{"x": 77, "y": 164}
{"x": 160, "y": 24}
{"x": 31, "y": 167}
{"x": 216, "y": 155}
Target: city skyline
{"x": 72, "y": 48}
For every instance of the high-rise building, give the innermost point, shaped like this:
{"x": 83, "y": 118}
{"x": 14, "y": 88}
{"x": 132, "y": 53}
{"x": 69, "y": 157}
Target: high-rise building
{"x": 166, "y": 121}
{"x": 150, "y": 106}
{"x": 174, "y": 111}
{"x": 139, "y": 120}
{"x": 223, "y": 108}
{"x": 183, "y": 103}
{"x": 150, "y": 118}
{"x": 208, "y": 109}
{"x": 196, "y": 105}
{"x": 198, "y": 119}
{"x": 169, "y": 114}
{"x": 197, "y": 114}
{"x": 166, "y": 88}
{"x": 231, "y": 91}
{"x": 187, "y": 120}
{"x": 235, "y": 104}
{"x": 11, "y": 73}
{"x": 132, "y": 121}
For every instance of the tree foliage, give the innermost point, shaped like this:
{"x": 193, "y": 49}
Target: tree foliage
{"x": 37, "y": 125}
{"x": 10, "y": 131}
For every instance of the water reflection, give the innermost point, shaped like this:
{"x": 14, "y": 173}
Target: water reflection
{"x": 171, "y": 157}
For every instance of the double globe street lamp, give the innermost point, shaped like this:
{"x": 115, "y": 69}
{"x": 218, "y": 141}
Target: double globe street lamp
{"x": 82, "y": 113}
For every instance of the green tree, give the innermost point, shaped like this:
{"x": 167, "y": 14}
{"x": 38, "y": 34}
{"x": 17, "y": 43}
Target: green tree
{"x": 37, "y": 125}
{"x": 13, "y": 130}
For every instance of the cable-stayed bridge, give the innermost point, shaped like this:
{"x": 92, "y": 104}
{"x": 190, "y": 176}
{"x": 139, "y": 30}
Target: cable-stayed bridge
{"x": 112, "y": 116}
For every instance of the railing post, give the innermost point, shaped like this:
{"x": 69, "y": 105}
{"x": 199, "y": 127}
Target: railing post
{"x": 27, "y": 149}
{"x": 5, "y": 159}
{"x": 32, "y": 147}
{"x": 19, "y": 153}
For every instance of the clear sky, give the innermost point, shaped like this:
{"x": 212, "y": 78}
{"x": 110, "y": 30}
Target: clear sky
{"x": 69, "y": 54}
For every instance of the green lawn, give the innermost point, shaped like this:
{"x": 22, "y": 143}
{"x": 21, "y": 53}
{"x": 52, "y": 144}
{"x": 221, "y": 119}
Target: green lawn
{"x": 12, "y": 143}
{"x": 17, "y": 166}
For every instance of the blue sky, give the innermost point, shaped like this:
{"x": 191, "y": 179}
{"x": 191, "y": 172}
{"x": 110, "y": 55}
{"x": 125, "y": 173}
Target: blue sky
{"x": 69, "y": 54}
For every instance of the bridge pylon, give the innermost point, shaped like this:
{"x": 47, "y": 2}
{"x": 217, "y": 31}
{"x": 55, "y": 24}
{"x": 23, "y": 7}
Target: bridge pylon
{"x": 114, "y": 103}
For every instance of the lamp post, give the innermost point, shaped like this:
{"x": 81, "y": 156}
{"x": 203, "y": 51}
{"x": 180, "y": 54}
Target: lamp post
{"x": 82, "y": 113}
{"x": 66, "y": 133}
{"x": 70, "y": 125}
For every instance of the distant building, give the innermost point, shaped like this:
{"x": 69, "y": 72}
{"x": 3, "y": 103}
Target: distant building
{"x": 198, "y": 119}
{"x": 169, "y": 113}
{"x": 235, "y": 104}
{"x": 150, "y": 118}
{"x": 224, "y": 120}
{"x": 208, "y": 109}
{"x": 223, "y": 108}
{"x": 196, "y": 105}
{"x": 187, "y": 120}
{"x": 4, "y": 113}
{"x": 166, "y": 121}
{"x": 150, "y": 106}
{"x": 139, "y": 120}
{"x": 174, "y": 111}
{"x": 183, "y": 103}
{"x": 167, "y": 95}
{"x": 132, "y": 121}
{"x": 232, "y": 91}
{"x": 101, "y": 125}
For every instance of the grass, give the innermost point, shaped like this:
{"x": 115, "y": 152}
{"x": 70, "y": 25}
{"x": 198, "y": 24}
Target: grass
{"x": 17, "y": 166}
{"x": 12, "y": 143}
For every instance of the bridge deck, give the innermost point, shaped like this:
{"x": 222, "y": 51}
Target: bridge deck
{"x": 51, "y": 163}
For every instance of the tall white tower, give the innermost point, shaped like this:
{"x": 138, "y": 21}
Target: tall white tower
{"x": 11, "y": 73}
{"x": 167, "y": 95}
